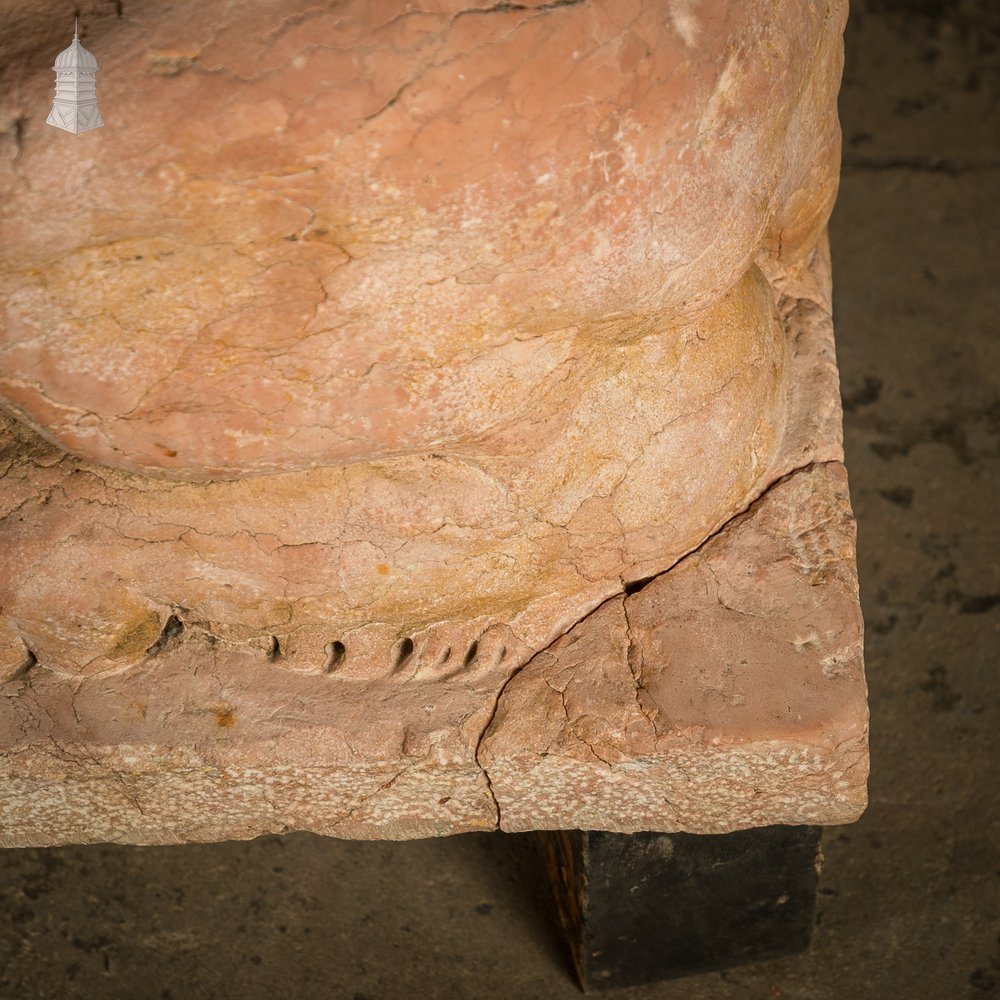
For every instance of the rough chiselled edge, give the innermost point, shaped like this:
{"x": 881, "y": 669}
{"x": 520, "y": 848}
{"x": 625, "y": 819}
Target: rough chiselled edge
{"x": 623, "y": 596}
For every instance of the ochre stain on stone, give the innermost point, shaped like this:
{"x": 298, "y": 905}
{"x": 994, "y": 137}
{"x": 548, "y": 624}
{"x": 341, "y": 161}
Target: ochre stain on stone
{"x": 138, "y": 633}
{"x": 225, "y": 716}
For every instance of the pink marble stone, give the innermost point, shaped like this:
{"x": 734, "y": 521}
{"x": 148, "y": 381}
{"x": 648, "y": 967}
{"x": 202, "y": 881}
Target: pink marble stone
{"x": 726, "y": 692}
{"x": 363, "y": 362}
{"x": 328, "y": 233}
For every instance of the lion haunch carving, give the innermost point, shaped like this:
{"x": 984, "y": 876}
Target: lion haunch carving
{"x": 367, "y": 323}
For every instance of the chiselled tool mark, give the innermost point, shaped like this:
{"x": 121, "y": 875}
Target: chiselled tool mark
{"x": 477, "y": 656}
{"x": 471, "y": 653}
{"x": 273, "y": 649}
{"x": 171, "y": 628}
{"x": 402, "y": 651}
{"x": 336, "y": 653}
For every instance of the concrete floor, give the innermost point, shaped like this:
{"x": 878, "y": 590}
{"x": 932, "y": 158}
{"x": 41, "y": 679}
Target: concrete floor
{"x": 909, "y": 903}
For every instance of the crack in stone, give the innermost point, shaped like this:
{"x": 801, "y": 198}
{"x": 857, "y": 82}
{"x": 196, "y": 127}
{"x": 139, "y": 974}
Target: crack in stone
{"x": 365, "y": 799}
{"x": 623, "y": 595}
{"x": 504, "y": 7}
{"x": 430, "y": 64}
{"x": 635, "y": 669}
{"x": 568, "y": 721}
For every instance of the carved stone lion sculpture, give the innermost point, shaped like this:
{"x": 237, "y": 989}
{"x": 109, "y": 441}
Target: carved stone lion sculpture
{"x": 364, "y": 332}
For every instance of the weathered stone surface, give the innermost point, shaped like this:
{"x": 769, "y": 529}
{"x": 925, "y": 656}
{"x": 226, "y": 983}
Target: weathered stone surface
{"x": 727, "y": 693}
{"x": 372, "y": 550}
{"x": 343, "y": 232}
{"x": 97, "y": 561}
{"x": 361, "y": 356}
{"x": 459, "y": 308}
{"x": 207, "y": 739}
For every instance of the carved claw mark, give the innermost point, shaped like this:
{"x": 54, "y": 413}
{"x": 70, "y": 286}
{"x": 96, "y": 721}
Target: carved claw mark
{"x": 478, "y": 657}
{"x": 336, "y": 652}
{"x": 426, "y": 665}
{"x": 469, "y": 661}
{"x": 171, "y": 628}
{"x": 471, "y": 652}
{"x": 401, "y": 654}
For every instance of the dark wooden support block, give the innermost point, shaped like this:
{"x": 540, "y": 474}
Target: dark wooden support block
{"x": 642, "y": 907}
